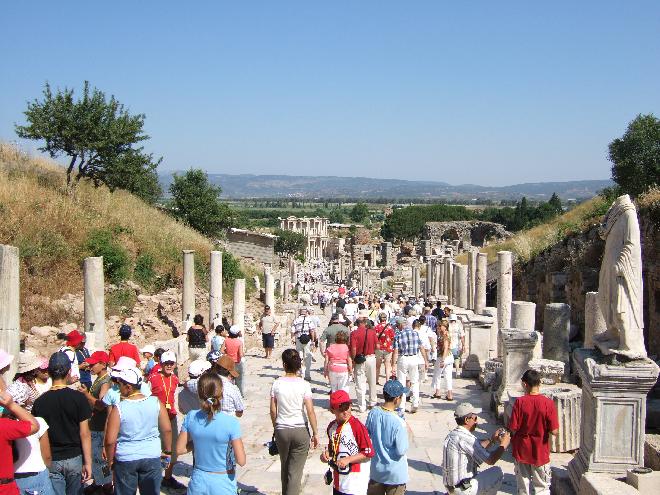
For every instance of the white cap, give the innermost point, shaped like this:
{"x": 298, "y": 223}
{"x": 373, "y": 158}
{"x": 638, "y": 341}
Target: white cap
{"x": 234, "y": 330}
{"x": 198, "y": 366}
{"x": 128, "y": 375}
{"x": 123, "y": 363}
{"x": 168, "y": 357}
{"x": 148, "y": 348}
{"x": 453, "y": 317}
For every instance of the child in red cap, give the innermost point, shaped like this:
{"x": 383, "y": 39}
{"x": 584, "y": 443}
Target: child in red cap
{"x": 350, "y": 451}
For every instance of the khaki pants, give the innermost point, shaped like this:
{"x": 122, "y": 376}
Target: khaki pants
{"x": 365, "y": 373}
{"x": 305, "y": 351}
{"x": 293, "y": 445}
{"x": 532, "y": 480}
{"x": 376, "y": 488}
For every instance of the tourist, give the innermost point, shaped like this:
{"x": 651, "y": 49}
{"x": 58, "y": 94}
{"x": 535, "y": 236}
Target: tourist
{"x": 457, "y": 335}
{"x": 163, "y": 386}
{"x": 98, "y": 366}
{"x": 218, "y": 339}
{"x": 351, "y": 309}
{"x": 338, "y": 364}
{"x": 42, "y": 381}
{"x": 133, "y": 437}
{"x": 349, "y": 451}
{"x": 389, "y": 436}
{"x": 148, "y": 352}
{"x": 157, "y": 355}
{"x": 23, "y": 386}
{"x": 268, "y": 327}
{"x": 188, "y": 397}
{"x": 67, "y": 414}
{"x": 463, "y": 453}
{"x": 430, "y": 320}
{"x": 234, "y": 348}
{"x": 82, "y": 353}
{"x": 232, "y": 400}
{"x": 444, "y": 365}
{"x": 424, "y": 349}
{"x": 406, "y": 348}
{"x": 336, "y": 325}
{"x": 363, "y": 353}
{"x": 124, "y": 347}
{"x": 197, "y": 338}
{"x": 11, "y": 430}
{"x": 113, "y": 395}
{"x": 303, "y": 333}
{"x": 385, "y": 336}
{"x": 291, "y": 410}
{"x": 215, "y": 440}
{"x": 533, "y": 419}
{"x": 74, "y": 340}
{"x": 438, "y": 312}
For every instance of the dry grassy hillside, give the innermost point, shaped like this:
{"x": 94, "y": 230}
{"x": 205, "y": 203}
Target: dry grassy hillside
{"x": 55, "y": 231}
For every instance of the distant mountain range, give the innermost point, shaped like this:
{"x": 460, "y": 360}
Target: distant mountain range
{"x": 245, "y": 186}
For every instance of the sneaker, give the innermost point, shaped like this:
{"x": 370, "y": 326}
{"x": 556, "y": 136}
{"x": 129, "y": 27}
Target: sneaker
{"x": 172, "y": 483}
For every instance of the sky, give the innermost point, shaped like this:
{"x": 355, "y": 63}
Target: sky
{"x": 482, "y": 92}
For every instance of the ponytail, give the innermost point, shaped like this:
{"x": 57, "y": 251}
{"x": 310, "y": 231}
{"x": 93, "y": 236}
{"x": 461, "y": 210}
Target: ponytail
{"x": 209, "y": 389}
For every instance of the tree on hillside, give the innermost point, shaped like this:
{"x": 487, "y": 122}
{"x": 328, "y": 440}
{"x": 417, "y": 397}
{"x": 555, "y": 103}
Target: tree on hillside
{"x": 197, "y": 202}
{"x": 555, "y": 203}
{"x": 290, "y": 243}
{"x": 98, "y": 135}
{"x": 135, "y": 172}
{"x": 636, "y": 156}
{"x": 360, "y": 212}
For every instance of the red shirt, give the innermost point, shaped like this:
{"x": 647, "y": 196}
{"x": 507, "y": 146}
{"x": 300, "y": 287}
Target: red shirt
{"x": 10, "y": 430}
{"x": 124, "y": 349}
{"x": 164, "y": 388}
{"x": 341, "y": 291}
{"x": 532, "y": 419}
{"x": 232, "y": 346}
{"x": 385, "y": 335}
{"x": 358, "y": 345}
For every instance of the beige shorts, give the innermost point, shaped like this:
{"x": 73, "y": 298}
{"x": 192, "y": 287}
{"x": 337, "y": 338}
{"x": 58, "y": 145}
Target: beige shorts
{"x": 383, "y": 354}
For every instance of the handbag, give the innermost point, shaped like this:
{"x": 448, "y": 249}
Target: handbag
{"x": 272, "y": 446}
{"x": 304, "y": 338}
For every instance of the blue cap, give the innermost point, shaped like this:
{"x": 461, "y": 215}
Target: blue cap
{"x": 125, "y": 331}
{"x": 59, "y": 363}
{"x": 213, "y": 356}
{"x": 393, "y": 388}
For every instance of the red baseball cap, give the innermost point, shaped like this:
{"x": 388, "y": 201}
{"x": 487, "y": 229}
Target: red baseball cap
{"x": 338, "y": 398}
{"x": 74, "y": 337}
{"x": 98, "y": 357}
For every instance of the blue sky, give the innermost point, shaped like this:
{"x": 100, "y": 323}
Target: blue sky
{"x": 483, "y": 92}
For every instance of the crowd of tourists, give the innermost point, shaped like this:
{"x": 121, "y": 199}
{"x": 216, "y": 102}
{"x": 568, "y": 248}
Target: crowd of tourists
{"x": 108, "y": 421}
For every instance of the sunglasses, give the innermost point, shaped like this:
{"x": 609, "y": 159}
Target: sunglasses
{"x": 169, "y": 363}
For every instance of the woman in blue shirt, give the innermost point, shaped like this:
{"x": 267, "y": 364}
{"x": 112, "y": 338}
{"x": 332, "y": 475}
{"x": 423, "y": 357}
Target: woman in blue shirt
{"x": 215, "y": 439}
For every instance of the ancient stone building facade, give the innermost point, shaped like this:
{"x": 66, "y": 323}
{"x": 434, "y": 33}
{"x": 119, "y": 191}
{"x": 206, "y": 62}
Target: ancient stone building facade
{"x": 468, "y": 233}
{"x": 316, "y": 231}
{"x": 254, "y": 245}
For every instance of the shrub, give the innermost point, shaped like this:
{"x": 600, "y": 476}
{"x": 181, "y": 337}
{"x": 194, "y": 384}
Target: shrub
{"x": 231, "y": 267}
{"x": 144, "y": 271}
{"x": 116, "y": 261}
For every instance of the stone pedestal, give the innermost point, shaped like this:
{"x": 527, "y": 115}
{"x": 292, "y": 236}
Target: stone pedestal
{"x": 215, "y": 289}
{"x": 478, "y": 335}
{"x": 518, "y": 346}
{"x": 188, "y": 297}
{"x": 94, "y": 303}
{"x": 523, "y": 315}
{"x": 269, "y": 283}
{"x": 568, "y": 401}
{"x": 494, "y": 347}
{"x": 10, "y": 310}
{"x": 594, "y": 321}
{"x": 504, "y": 288}
{"x": 462, "y": 282}
{"x": 238, "y": 310}
{"x": 480, "y": 279}
{"x": 613, "y": 414}
{"x": 556, "y": 332}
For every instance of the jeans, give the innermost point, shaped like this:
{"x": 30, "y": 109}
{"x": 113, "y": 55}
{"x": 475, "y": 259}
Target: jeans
{"x": 40, "y": 482}
{"x": 66, "y": 476}
{"x": 145, "y": 474}
{"x": 97, "y": 460}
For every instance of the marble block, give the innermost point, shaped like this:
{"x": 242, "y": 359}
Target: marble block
{"x": 551, "y": 371}
{"x": 518, "y": 347}
{"x": 478, "y": 351}
{"x": 567, "y": 399}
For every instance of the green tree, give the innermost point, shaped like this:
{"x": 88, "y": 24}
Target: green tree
{"x": 197, "y": 202}
{"x": 290, "y": 243}
{"x": 96, "y": 133}
{"x": 135, "y": 172}
{"x": 636, "y": 156}
{"x": 336, "y": 215}
{"x": 555, "y": 203}
{"x": 359, "y": 212}
{"x": 406, "y": 224}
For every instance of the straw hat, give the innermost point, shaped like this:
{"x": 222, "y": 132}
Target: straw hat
{"x": 27, "y": 361}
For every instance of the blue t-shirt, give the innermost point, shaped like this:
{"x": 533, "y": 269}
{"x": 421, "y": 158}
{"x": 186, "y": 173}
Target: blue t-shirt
{"x": 390, "y": 441}
{"x": 139, "y": 437}
{"x": 112, "y": 396}
{"x": 212, "y": 439}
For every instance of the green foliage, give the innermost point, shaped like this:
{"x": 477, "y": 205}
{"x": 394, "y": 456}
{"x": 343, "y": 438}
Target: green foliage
{"x": 336, "y": 215}
{"x": 359, "y": 212}
{"x": 636, "y": 156}
{"x": 231, "y": 267}
{"x": 121, "y": 301}
{"x": 407, "y": 223}
{"x": 97, "y": 134}
{"x": 197, "y": 203}
{"x": 555, "y": 204}
{"x": 290, "y": 243}
{"x": 116, "y": 261}
{"x": 144, "y": 271}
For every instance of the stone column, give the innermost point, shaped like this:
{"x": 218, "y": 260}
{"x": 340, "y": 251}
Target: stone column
{"x": 518, "y": 348}
{"x": 285, "y": 291}
{"x": 429, "y": 279}
{"x": 594, "y": 321}
{"x": 281, "y": 287}
{"x": 556, "y": 332}
{"x": 504, "y": 289}
{"x": 238, "y": 310}
{"x": 94, "y": 304}
{"x": 448, "y": 280}
{"x": 415, "y": 281}
{"x": 10, "y": 310}
{"x": 472, "y": 275}
{"x": 523, "y": 316}
{"x": 613, "y": 414}
{"x": 269, "y": 283}
{"x": 462, "y": 282}
{"x": 439, "y": 275}
{"x": 215, "y": 289}
{"x": 188, "y": 297}
{"x": 495, "y": 349}
{"x": 480, "y": 280}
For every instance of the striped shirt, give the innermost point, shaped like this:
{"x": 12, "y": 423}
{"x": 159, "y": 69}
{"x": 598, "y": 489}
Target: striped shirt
{"x": 407, "y": 342}
{"x": 462, "y": 454}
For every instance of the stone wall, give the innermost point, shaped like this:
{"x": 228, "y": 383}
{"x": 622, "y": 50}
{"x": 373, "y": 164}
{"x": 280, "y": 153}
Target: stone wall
{"x": 476, "y": 233}
{"x": 252, "y": 245}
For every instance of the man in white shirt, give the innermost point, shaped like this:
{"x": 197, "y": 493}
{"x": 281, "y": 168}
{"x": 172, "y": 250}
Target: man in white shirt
{"x": 303, "y": 335}
{"x": 457, "y": 336}
{"x": 351, "y": 309}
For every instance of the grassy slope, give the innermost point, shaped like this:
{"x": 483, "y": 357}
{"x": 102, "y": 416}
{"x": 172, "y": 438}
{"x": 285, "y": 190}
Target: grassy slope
{"x": 51, "y": 228}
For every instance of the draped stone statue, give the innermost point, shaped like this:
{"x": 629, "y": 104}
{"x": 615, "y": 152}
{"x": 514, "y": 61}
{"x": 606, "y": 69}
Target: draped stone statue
{"x": 620, "y": 282}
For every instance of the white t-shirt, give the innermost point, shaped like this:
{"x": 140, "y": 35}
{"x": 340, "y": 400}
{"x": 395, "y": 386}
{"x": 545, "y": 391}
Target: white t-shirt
{"x": 75, "y": 371}
{"x": 290, "y": 394}
{"x": 430, "y": 335}
{"x": 29, "y": 451}
{"x": 455, "y": 333}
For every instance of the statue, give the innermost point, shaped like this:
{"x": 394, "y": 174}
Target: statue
{"x": 620, "y": 282}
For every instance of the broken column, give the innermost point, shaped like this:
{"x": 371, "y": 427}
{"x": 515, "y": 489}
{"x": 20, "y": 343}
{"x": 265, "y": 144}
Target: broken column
{"x": 238, "y": 310}
{"x": 215, "y": 289}
{"x": 556, "y": 332}
{"x": 188, "y": 297}
{"x": 594, "y": 321}
{"x": 10, "y": 310}
{"x": 448, "y": 280}
{"x": 269, "y": 283}
{"x": 480, "y": 280}
{"x": 523, "y": 315}
{"x": 461, "y": 285}
{"x": 429, "y": 279}
{"x": 94, "y": 303}
{"x": 518, "y": 348}
{"x": 472, "y": 275}
{"x": 504, "y": 289}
